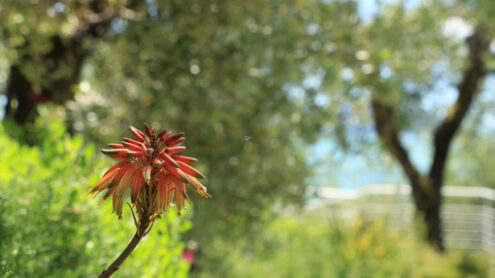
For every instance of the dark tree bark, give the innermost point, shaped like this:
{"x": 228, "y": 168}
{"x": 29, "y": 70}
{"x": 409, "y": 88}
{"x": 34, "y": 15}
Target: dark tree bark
{"x": 426, "y": 188}
{"x": 17, "y": 88}
{"x": 23, "y": 98}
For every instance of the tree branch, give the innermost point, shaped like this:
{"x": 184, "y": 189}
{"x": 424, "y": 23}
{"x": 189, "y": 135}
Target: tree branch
{"x": 386, "y": 126}
{"x": 445, "y": 132}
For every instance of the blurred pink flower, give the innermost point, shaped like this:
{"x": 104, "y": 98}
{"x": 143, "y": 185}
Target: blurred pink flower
{"x": 189, "y": 256}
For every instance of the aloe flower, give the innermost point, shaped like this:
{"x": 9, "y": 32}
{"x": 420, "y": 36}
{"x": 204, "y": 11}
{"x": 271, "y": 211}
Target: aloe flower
{"x": 153, "y": 173}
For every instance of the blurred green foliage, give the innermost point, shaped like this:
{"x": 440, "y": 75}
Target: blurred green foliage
{"x": 314, "y": 247}
{"x": 474, "y": 162}
{"x": 224, "y": 82}
{"x": 50, "y": 227}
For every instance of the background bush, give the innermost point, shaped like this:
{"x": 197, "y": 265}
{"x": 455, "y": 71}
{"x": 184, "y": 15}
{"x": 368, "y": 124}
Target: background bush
{"x": 312, "y": 247}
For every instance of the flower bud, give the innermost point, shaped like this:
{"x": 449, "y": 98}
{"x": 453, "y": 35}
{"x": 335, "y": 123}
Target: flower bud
{"x": 173, "y": 150}
{"x": 149, "y": 131}
{"x": 137, "y": 133}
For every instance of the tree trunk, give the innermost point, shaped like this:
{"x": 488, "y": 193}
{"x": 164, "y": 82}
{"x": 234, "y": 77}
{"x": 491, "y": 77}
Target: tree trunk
{"x": 428, "y": 208}
{"x": 433, "y": 221}
{"x": 19, "y": 106}
{"x": 23, "y": 98}
{"x": 426, "y": 189}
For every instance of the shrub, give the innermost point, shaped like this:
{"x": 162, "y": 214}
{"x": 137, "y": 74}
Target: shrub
{"x": 311, "y": 247}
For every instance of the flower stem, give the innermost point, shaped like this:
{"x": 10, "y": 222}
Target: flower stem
{"x": 140, "y": 233}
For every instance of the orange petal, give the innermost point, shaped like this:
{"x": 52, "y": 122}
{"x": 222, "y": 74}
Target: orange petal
{"x": 113, "y": 186}
{"x": 136, "y": 143}
{"x": 183, "y": 158}
{"x": 104, "y": 181}
{"x": 116, "y": 146}
{"x": 117, "y": 205}
{"x": 176, "y": 172}
{"x": 126, "y": 181}
{"x": 190, "y": 170}
{"x": 175, "y": 180}
{"x": 136, "y": 184}
{"x": 163, "y": 182}
{"x": 131, "y": 141}
{"x": 198, "y": 187}
{"x": 118, "y": 165}
{"x": 120, "y": 153}
{"x": 180, "y": 197}
{"x": 132, "y": 146}
{"x": 169, "y": 160}
{"x": 171, "y": 191}
{"x": 175, "y": 149}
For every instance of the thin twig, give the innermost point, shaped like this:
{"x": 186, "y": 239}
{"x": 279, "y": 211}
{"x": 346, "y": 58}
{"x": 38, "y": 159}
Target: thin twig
{"x": 133, "y": 215}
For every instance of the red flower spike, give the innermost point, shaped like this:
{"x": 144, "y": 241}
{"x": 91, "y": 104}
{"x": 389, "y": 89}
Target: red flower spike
{"x": 154, "y": 178}
{"x": 175, "y": 150}
{"x": 137, "y": 133}
{"x": 148, "y": 170}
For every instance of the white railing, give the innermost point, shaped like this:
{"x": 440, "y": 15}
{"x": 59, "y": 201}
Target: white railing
{"x": 468, "y": 211}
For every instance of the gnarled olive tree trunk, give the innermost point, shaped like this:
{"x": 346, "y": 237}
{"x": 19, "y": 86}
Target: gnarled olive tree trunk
{"x": 426, "y": 188}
